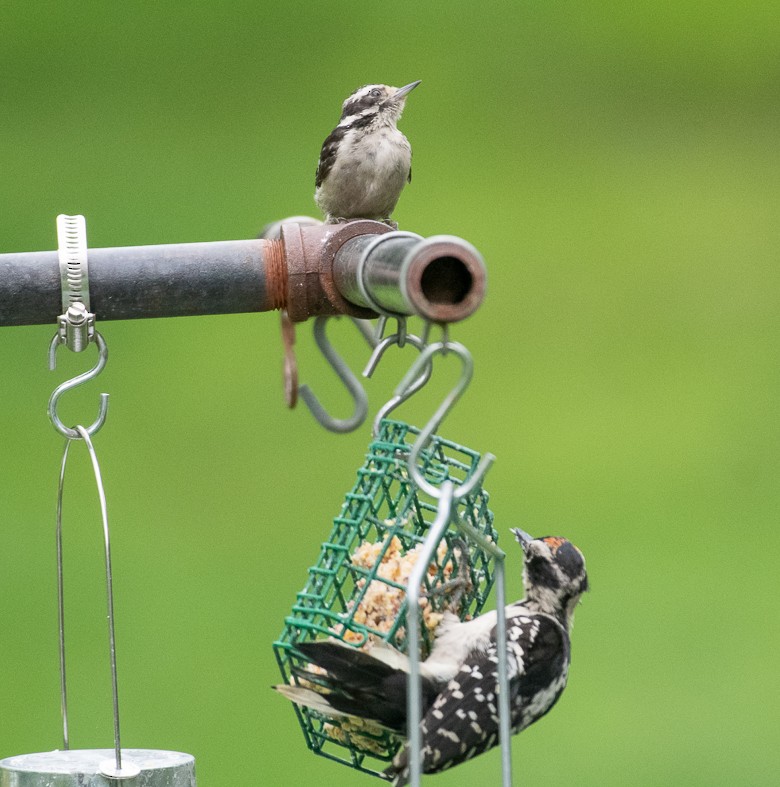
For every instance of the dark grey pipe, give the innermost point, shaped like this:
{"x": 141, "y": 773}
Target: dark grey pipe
{"x": 141, "y": 281}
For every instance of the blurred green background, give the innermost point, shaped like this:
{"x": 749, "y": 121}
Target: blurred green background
{"x": 616, "y": 163}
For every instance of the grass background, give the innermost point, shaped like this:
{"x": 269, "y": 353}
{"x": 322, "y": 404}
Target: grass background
{"x": 617, "y": 164}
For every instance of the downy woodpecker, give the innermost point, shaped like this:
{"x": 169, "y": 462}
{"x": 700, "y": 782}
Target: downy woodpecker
{"x": 459, "y": 677}
{"x": 365, "y": 161}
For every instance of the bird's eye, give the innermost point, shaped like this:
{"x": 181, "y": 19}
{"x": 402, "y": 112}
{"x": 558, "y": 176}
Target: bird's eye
{"x": 376, "y": 92}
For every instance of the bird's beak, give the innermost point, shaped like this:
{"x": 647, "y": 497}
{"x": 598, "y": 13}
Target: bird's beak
{"x": 522, "y": 537}
{"x": 402, "y": 91}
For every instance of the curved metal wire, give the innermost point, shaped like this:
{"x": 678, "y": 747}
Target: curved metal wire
{"x": 73, "y": 434}
{"x": 400, "y": 332}
{"x": 421, "y": 362}
{"x": 400, "y": 338}
{"x": 352, "y": 384}
{"x": 84, "y": 435}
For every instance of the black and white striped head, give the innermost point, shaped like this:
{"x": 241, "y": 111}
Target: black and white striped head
{"x": 377, "y": 101}
{"x": 554, "y": 576}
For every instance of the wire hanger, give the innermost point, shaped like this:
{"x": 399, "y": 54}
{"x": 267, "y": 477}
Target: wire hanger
{"x": 114, "y": 767}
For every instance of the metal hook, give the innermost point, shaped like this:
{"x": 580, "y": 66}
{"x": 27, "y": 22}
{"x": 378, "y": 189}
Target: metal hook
{"x": 399, "y": 335}
{"x": 423, "y": 360}
{"x": 73, "y": 434}
{"x": 345, "y": 374}
{"x": 400, "y": 338}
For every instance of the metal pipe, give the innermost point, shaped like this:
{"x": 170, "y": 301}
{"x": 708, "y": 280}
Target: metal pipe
{"x": 441, "y": 278}
{"x": 309, "y": 270}
{"x": 142, "y": 281}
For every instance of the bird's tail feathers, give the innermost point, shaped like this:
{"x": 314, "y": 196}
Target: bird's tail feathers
{"x": 386, "y": 653}
{"x": 311, "y": 699}
{"x": 345, "y": 664}
{"x": 315, "y": 701}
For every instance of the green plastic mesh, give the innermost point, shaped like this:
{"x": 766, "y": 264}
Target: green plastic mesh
{"x": 356, "y": 589}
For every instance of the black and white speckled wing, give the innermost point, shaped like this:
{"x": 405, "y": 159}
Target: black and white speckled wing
{"x": 328, "y": 153}
{"x": 463, "y": 720}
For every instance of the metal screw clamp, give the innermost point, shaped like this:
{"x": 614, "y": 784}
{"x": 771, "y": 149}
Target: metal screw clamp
{"x": 76, "y": 324}
{"x": 76, "y": 327}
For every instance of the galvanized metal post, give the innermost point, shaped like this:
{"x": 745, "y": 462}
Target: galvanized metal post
{"x": 82, "y": 768}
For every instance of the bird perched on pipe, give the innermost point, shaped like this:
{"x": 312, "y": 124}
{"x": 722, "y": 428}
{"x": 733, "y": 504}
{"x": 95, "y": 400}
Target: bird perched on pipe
{"x": 459, "y": 677}
{"x": 365, "y": 161}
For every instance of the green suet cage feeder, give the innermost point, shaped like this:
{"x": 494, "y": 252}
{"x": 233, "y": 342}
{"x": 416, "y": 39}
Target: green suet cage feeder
{"x": 356, "y": 591}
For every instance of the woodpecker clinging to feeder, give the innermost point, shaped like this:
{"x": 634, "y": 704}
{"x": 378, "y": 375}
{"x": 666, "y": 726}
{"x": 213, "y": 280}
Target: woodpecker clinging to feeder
{"x": 459, "y": 677}
{"x": 366, "y": 161}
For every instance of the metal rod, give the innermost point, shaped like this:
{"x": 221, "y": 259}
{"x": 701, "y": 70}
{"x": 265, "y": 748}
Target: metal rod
{"x": 61, "y": 603}
{"x": 443, "y": 519}
{"x": 504, "y": 713}
{"x": 309, "y": 270}
{"x": 414, "y": 693}
{"x": 504, "y": 723}
{"x": 84, "y": 435}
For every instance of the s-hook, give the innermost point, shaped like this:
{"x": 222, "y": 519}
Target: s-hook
{"x": 78, "y": 312}
{"x": 424, "y": 360}
{"x": 345, "y": 374}
{"x": 401, "y": 337}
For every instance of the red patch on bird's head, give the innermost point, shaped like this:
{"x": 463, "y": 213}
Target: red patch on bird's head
{"x": 554, "y": 543}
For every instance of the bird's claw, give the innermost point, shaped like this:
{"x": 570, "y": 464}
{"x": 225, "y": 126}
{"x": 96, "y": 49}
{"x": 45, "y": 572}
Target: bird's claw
{"x": 456, "y": 588}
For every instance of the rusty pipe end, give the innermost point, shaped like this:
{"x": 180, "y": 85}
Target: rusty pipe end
{"x": 444, "y": 279}
{"x": 441, "y": 278}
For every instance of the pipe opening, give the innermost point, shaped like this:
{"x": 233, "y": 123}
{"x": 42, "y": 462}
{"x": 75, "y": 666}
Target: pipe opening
{"x": 446, "y": 280}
